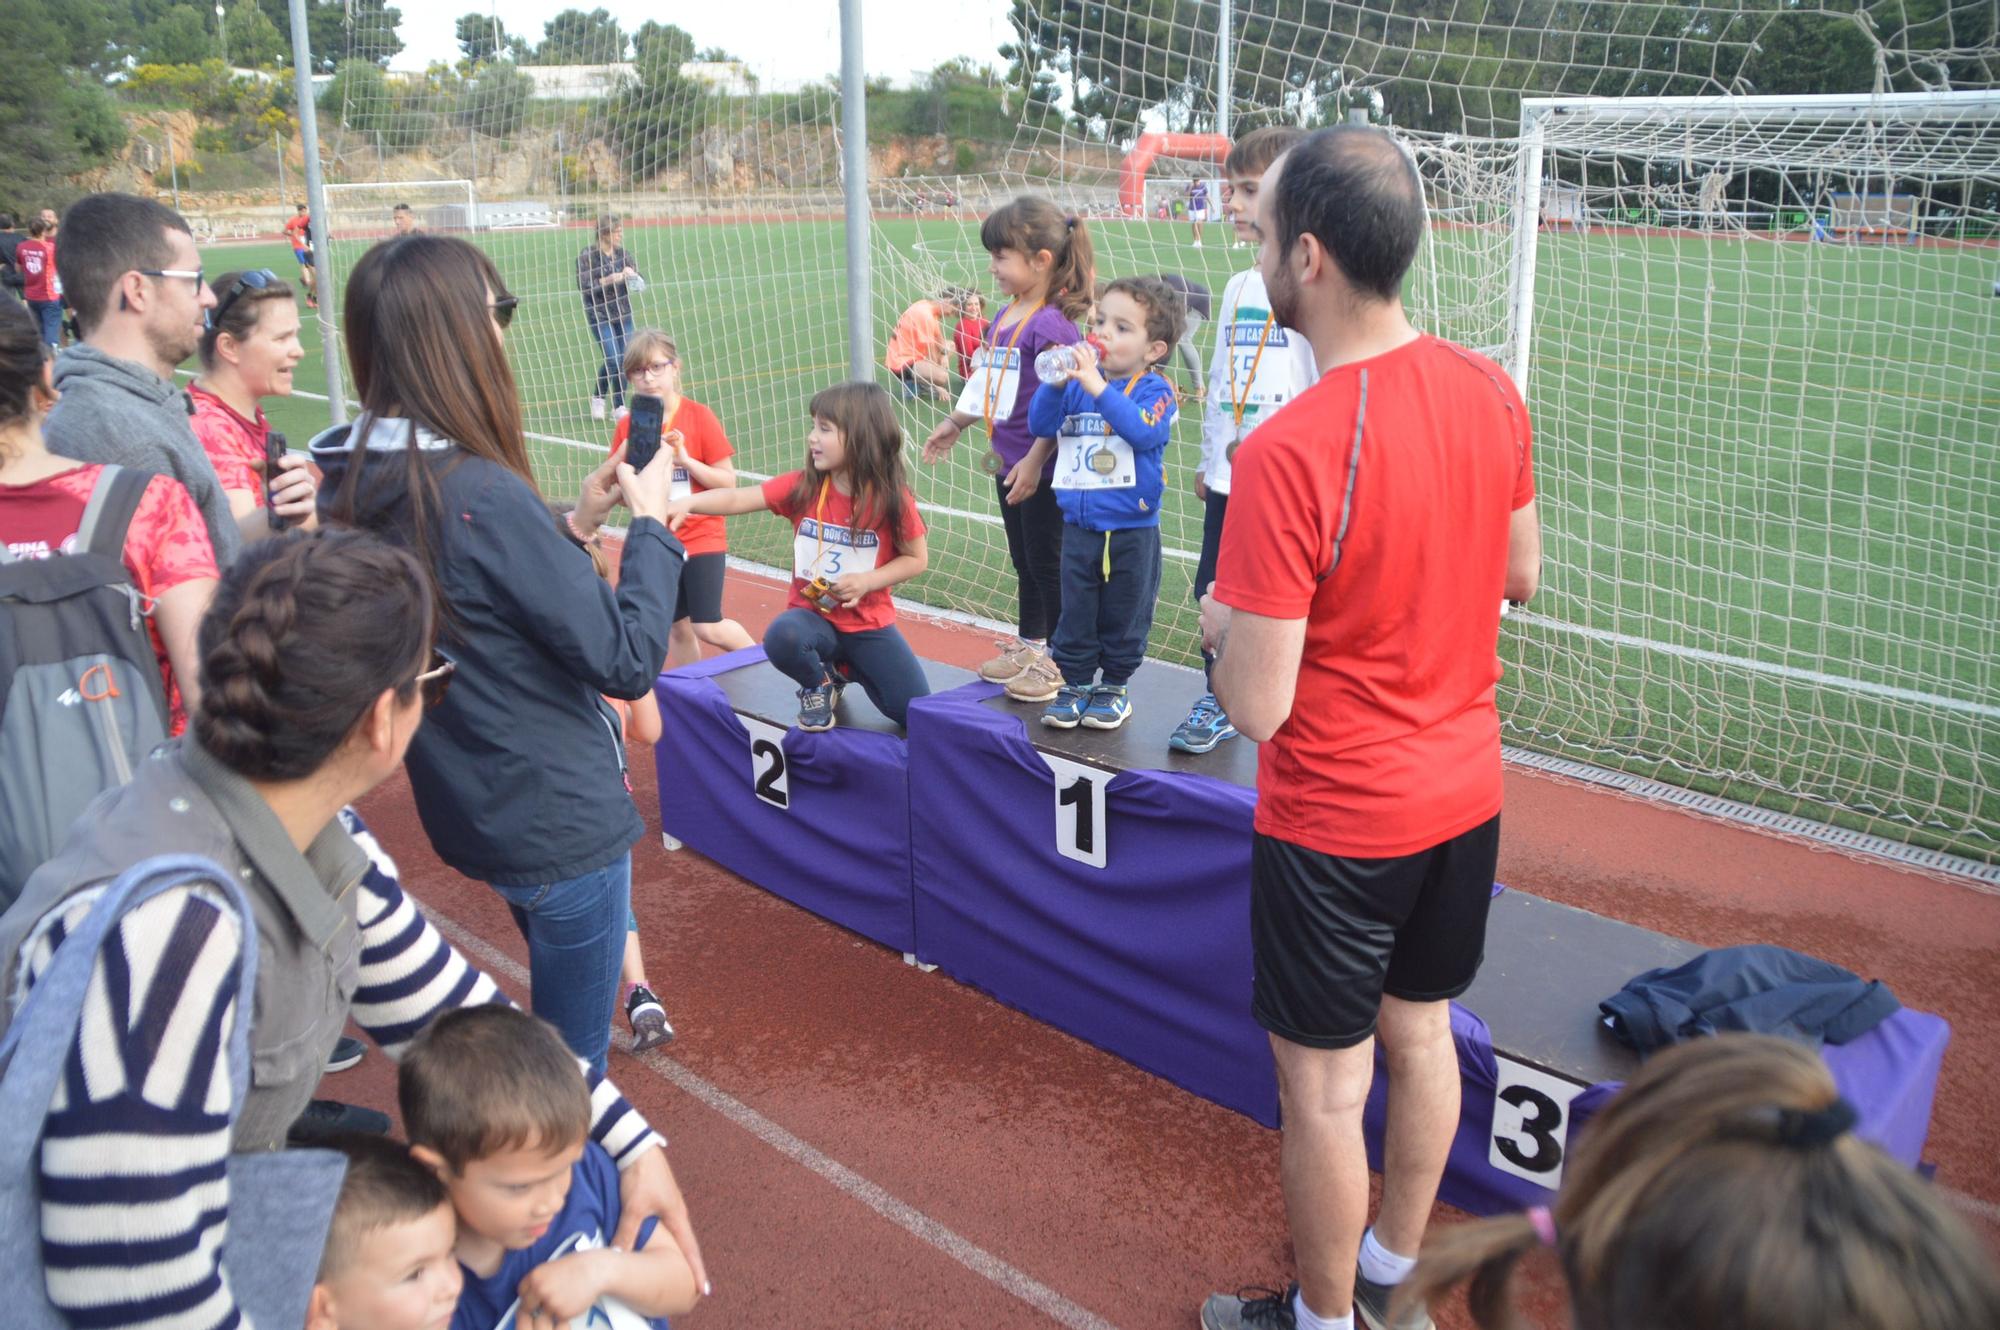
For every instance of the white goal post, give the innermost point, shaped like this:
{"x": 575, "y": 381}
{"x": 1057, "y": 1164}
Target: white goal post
{"x": 368, "y": 209}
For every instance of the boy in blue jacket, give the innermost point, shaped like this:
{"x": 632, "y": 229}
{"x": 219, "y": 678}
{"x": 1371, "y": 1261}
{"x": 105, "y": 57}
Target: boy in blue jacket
{"x": 1110, "y": 420}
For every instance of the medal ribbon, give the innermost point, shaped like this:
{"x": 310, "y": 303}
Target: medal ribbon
{"x": 1240, "y": 403}
{"x": 990, "y": 391}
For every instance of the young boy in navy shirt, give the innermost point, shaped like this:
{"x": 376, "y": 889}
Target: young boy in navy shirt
{"x": 497, "y": 1107}
{"x": 1109, "y": 421}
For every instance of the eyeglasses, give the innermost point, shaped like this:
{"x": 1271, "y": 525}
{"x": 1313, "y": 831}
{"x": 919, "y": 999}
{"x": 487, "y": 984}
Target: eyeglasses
{"x": 192, "y": 274}
{"x": 658, "y": 367}
{"x": 503, "y": 309}
{"x": 255, "y": 280}
{"x": 436, "y": 681}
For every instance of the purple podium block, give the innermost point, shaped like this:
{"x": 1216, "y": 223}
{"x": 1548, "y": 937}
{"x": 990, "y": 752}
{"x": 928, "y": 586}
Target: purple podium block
{"x": 820, "y": 819}
{"x": 1147, "y": 956}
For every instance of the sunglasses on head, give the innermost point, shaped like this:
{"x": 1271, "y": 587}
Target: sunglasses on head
{"x": 257, "y": 279}
{"x": 503, "y": 309}
{"x": 436, "y": 681}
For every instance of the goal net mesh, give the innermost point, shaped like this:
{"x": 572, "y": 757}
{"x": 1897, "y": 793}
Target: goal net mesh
{"x": 1758, "y": 459}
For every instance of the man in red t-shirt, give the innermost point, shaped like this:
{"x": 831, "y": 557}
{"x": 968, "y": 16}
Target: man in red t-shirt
{"x": 1375, "y": 525}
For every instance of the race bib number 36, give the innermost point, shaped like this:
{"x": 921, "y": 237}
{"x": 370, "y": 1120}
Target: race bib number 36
{"x": 1091, "y": 459}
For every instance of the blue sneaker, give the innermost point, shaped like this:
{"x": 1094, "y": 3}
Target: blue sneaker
{"x": 1204, "y": 728}
{"x": 1066, "y": 711}
{"x": 1110, "y": 706}
{"x": 816, "y": 705}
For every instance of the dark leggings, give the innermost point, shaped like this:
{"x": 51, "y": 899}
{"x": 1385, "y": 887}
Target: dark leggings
{"x": 1034, "y": 543}
{"x": 1214, "y": 506}
{"x": 807, "y": 648}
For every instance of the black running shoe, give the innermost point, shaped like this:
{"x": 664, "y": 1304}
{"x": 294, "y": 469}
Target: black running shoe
{"x": 1371, "y": 1307}
{"x": 326, "y": 1118}
{"x": 346, "y": 1053}
{"x": 648, "y": 1019}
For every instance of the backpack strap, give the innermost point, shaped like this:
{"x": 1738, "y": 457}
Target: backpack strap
{"x": 108, "y": 516}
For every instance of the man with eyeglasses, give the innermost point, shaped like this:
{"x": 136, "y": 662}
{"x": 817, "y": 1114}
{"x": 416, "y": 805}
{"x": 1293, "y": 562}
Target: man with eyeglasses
{"x": 130, "y": 269}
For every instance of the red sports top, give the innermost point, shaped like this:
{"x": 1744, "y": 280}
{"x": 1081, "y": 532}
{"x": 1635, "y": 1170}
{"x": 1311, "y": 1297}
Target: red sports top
{"x": 1377, "y": 507}
{"x": 839, "y": 549}
{"x": 165, "y": 546}
{"x": 705, "y": 443}
{"x": 234, "y": 444}
{"x": 37, "y": 261}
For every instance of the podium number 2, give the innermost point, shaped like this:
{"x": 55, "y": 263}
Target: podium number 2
{"x": 1079, "y": 810}
{"x": 1530, "y": 1122}
{"x": 769, "y": 777}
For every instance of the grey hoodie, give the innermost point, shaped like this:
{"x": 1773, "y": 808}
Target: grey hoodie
{"x": 119, "y": 411}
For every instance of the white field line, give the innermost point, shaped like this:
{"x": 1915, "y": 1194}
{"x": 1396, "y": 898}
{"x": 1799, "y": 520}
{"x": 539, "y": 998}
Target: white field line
{"x": 905, "y": 1216}
{"x": 1792, "y": 673}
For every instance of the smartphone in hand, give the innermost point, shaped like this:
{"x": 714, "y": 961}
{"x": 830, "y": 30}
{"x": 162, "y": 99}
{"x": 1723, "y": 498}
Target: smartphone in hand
{"x": 642, "y": 438}
{"x": 275, "y": 449}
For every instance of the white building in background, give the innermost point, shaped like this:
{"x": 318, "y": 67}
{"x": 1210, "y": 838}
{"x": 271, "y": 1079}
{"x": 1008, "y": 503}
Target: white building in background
{"x": 573, "y": 83}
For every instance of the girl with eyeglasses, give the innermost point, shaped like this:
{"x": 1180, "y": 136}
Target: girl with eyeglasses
{"x": 248, "y": 353}
{"x": 318, "y": 668}
{"x": 520, "y": 777}
{"x": 702, "y": 454}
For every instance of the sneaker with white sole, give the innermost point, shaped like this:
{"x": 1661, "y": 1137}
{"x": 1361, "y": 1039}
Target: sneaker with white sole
{"x": 816, "y": 705}
{"x": 1205, "y": 727}
{"x": 1066, "y": 711}
{"x": 1371, "y": 1307}
{"x": 1250, "y": 1309}
{"x": 648, "y": 1019}
{"x": 1014, "y": 657}
{"x": 347, "y": 1051}
{"x": 1109, "y": 707}
{"x": 1040, "y": 682}
{"x": 597, "y": 408}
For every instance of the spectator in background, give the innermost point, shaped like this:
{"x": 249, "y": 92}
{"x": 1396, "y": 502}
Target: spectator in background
{"x": 1200, "y": 300}
{"x": 519, "y": 777}
{"x": 299, "y": 231}
{"x": 916, "y": 353}
{"x": 36, "y": 257}
{"x": 135, "y": 279}
{"x": 606, "y": 277}
{"x": 404, "y": 220}
{"x": 1197, "y": 206}
{"x": 970, "y": 332}
{"x": 1724, "y": 1187}
{"x": 1365, "y": 663}
{"x": 10, "y": 239}
{"x": 248, "y": 353}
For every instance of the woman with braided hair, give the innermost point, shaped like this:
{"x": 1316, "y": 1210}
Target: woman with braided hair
{"x": 1725, "y": 1186}
{"x": 317, "y": 667}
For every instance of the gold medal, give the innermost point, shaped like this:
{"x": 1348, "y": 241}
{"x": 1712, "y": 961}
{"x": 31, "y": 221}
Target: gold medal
{"x": 1103, "y": 462}
{"x": 991, "y": 463}
{"x": 1230, "y": 456}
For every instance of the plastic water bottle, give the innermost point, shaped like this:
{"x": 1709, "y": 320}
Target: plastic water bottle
{"x": 1057, "y": 363}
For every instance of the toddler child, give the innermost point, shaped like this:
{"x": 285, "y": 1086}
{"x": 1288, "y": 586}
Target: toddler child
{"x": 388, "y": 1262}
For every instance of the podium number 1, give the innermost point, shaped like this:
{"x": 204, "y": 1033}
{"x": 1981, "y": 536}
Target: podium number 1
{"x": 1079, "y": 810}
{"x": 769, "y": 777}
{"x": 1530, "y": 1122}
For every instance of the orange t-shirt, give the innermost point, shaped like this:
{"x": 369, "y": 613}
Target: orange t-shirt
{"x": 1377, "y": 505}
{"x": 705, "y": 443}
{"x": 919, "y": 334}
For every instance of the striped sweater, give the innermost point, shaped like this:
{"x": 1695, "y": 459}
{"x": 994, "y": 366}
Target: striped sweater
{"x": 135, "y": 1195}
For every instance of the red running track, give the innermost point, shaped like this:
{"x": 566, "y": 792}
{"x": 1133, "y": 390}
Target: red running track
{"x": 865, "y": 1144}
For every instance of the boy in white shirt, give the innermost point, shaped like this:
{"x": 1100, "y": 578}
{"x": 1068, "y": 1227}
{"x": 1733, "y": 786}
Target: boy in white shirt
{"x": 1258, "y": 366}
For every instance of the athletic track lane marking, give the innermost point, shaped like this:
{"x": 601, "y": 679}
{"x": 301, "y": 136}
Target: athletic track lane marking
{"x": 967, "y": 1253}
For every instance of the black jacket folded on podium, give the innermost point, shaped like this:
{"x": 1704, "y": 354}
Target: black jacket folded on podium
{"x": 519, "y": 774}
{"x": 1754, "y": 989}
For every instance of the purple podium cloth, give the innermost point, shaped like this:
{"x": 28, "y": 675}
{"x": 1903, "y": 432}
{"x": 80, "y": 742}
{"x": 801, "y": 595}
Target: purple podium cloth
{"x": 841, "y": 850}
{"x": 1147, "y": 958}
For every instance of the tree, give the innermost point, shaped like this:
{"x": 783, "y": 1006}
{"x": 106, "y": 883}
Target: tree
{"x": 664, "y": 42}
{"x": 651, "y": 120}
{"x": 254, "y": 41}
{"x": 481, "y": 37}
{"x": 54, "y": 122}
{"x": 495, "y": 99}
{"x": 576, "y": 38}
{"x": 178, "y": 37}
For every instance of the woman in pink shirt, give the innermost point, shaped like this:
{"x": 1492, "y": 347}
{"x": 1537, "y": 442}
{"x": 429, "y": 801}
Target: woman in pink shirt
{"x": 247, "y": 354}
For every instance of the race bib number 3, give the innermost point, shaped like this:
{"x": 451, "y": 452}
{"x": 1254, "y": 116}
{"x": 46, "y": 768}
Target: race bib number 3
{"x": 832, "y": 552}
{"x": 990, "y": 390}
{"x": 1092, "y": 459}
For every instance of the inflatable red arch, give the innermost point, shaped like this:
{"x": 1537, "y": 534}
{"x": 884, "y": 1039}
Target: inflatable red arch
{"x": 1187, "y": 147}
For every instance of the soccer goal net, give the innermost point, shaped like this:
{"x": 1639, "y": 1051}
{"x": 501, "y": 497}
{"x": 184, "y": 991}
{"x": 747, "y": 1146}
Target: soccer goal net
{"x": 1771, "y": 528}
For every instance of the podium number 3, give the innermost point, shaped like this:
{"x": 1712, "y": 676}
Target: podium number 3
{"x": 1530, "y": 1122}
{"x": 769, "y": 776}
{"x": 1079, "y": 810}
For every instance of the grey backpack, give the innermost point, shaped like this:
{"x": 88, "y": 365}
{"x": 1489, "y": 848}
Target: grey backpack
{"x": 81, "y": 700}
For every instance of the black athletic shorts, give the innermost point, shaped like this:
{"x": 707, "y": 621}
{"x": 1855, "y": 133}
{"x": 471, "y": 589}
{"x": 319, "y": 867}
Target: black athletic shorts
{"x": 701, "y": 588}
{"x": 1330, "y": 935}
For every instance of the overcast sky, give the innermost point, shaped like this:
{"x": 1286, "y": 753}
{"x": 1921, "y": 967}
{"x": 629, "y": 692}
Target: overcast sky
{"x": 785, "y": 42}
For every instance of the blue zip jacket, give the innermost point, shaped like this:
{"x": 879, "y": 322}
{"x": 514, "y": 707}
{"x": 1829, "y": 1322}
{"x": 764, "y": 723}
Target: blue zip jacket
{"x": 1144, "y": 418}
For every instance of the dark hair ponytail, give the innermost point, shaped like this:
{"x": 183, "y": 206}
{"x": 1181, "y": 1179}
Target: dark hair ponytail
{"x": 1030, "y": 224}
{"x": 305, "y": 632}
{"x": 22, "y": 356}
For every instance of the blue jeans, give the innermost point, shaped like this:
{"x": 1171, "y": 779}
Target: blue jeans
{"x": 576, "y": 942}
{"x": 806, "y": 647}
{"x": 1106, "y": 613}
{"x": 48, "y": 314}
{"x": 612, "y": 336}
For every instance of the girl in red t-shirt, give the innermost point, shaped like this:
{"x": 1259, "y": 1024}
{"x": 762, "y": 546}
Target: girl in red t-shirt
{"x": 42, "y": 499}
{"x": 856, "y": 534}
{"x": 701, "y": 462}
{"x": 248, "y": 353}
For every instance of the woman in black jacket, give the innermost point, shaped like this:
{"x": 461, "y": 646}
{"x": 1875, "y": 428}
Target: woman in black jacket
{"x": 520, "y": 775}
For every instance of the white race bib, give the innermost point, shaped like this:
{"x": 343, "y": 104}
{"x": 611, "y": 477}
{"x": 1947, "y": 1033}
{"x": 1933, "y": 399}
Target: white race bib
{"x": 682, "y": 486}
{"x": 990, "y": 390}
{"x": 1088, "y": 457}
{"x": 832, "y": 552}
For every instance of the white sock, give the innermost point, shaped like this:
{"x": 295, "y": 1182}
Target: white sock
{"x": 1307, "y": 1319}
{"x": 1381, "y": 1265}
